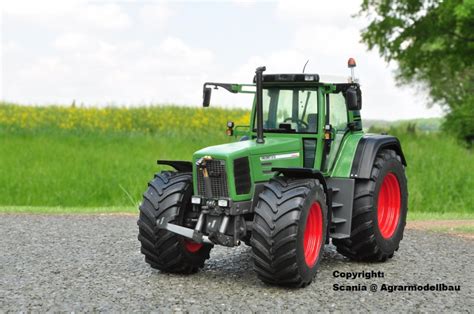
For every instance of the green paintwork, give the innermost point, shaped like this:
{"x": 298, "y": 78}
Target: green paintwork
{"x": 250, "y": 148}
{"x": 286, "y": 149}
{"x": 343, "y": 162}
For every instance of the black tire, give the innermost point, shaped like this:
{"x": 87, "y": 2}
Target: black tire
{"x": 168, "y": 195}
{"x": 366, "y": 242}
{"x": 278, "y": 232}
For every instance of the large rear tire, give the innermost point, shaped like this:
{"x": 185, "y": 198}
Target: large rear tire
{"x": 289, "y": 231}
{"x": 379, "y": 211}
{"x": 169, "y": 196}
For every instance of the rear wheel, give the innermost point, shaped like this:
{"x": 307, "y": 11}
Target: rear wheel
{"x": 169, "y": 196}
{"x": 289, "y": 231}
{"x": 379, "y": 211}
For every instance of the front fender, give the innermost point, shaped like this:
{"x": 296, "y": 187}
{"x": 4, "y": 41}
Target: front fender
{"x": 298, "y": 172}
{"x": 182, "y": 166}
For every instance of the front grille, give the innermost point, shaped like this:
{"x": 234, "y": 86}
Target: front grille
{"x": 242, "y": 175}
{"x": 218, "y": 176}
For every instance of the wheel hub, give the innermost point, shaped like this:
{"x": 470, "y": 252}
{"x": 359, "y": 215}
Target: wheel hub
{"x": 313, "y": 234}
{"x": 192, "y": 246}
{"x": 388, "y": 207}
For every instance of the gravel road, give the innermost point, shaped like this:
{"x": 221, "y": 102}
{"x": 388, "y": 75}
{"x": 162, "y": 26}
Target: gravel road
{"x": 93, "y": 263}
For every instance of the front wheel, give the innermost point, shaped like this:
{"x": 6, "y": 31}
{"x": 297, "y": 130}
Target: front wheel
{"x": 379, "y": 211}
{"x": 289, "y": 231}
{"x": 169, "y": 196}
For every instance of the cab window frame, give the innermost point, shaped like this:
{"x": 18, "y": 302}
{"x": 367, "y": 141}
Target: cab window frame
{"x": 313, "y": 87}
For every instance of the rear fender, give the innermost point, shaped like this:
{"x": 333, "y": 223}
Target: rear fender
{"x": 366, "y": 152}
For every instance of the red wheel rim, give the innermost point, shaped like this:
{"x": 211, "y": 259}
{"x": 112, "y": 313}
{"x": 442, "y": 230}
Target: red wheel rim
{"x": 192, "y": 246}
{"x": 388, "y": 207}
{"x": 313, "y": 234}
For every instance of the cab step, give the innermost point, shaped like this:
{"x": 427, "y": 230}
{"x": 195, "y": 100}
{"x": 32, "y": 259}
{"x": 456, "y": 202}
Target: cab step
{"x": 338, "y": 235}
{"x": 342, "y": 194}
{"x": 337, "y": 220}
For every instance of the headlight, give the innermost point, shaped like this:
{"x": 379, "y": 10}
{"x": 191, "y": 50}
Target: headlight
{"x": 196, "y": 200}
{"x": 223, "y": 203}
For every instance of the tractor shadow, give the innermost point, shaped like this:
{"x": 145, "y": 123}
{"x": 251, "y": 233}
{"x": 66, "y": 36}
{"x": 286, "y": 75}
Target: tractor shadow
{"x": 234, "y": 266}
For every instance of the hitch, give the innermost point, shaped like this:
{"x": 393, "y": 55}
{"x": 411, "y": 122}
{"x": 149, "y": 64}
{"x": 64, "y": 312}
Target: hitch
{"x": 189, "y": 233}
{"x": 216, "y": 231}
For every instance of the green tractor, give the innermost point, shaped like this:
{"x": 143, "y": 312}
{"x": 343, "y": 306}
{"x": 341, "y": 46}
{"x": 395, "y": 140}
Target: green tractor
{"x": 302, "y": 173}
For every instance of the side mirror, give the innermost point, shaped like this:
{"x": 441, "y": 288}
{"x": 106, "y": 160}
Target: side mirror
{"x": 353, "y": 99}
{"x": 206, "y": 97}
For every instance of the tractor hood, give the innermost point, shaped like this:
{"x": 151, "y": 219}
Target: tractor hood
{"x": 250, "y": 148}
{"x": 275, "y": 152}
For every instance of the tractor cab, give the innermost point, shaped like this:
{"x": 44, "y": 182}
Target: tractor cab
{"x": 298, "y": 108}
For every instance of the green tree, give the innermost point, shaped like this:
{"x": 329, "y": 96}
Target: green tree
{"x": 433, "y": 43}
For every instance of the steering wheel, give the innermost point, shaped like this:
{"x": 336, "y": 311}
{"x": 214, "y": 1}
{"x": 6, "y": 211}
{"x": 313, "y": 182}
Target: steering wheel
{"x": 299, "y": 122}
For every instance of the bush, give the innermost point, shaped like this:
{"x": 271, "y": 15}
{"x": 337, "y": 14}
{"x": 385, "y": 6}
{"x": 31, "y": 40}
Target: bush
{"x": 460, "y": 122}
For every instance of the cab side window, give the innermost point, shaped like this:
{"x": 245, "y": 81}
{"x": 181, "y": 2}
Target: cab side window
{"x": 337, "y": 112}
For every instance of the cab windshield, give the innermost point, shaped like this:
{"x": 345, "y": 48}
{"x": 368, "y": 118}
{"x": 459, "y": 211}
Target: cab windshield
{"x": 290, "y": 110}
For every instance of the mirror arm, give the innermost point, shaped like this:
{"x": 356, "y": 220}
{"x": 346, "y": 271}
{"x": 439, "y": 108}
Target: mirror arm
{"x": 232, "y": 88}
{"x": 226, "y": 86}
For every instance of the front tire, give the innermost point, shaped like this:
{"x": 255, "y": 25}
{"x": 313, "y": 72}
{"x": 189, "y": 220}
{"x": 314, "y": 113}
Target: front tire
{"x": 379, "y": 211}
{"x": 289, "y": 231}
{"x": 169, "y": 196}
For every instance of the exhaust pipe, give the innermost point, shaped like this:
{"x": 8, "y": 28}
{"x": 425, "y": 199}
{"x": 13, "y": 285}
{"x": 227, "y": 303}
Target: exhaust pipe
{"x": 259, "y": 108}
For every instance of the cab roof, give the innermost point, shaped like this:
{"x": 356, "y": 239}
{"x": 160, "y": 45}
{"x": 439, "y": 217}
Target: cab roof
{"x": 304, "y": 78}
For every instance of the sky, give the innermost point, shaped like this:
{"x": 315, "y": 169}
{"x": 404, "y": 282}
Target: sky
{"x": 131, "y": 53}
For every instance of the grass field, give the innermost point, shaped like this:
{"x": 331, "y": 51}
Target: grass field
{"x": 80, "y": 160}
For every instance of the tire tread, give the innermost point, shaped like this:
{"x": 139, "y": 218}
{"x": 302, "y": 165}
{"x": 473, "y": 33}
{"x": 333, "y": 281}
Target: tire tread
{"x": 163, "y": 250}
{"x": 362, "y": 245}
{"x": 275, "y": 228}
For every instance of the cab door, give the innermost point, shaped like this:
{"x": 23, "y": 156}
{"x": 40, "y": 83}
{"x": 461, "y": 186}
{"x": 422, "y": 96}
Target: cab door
{"x": 338, "y": 118}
